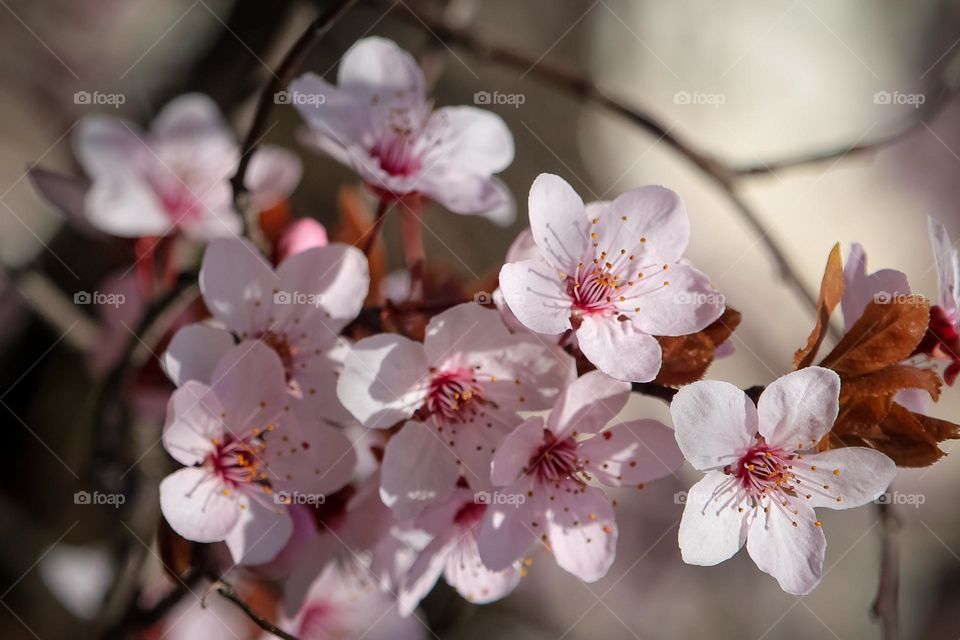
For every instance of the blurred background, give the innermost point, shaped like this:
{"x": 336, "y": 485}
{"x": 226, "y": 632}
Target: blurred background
{"x": 748, "y": 83}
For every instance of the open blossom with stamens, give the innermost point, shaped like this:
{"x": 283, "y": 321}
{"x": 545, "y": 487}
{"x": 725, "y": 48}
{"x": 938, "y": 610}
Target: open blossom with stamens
{"x": 379, "y": 121}
{"x": 464, "y": 385}
{"x": 243, "y": 445}
{"x": 942, "y": 340}
{"x": 453, "y": 525}
{"x": 174, "y": 177}
{"x": 543, "y": 468}
{"x": 298, "y": 310}
{"x": 764, "y": 476}
{"x": 612, "y": 272}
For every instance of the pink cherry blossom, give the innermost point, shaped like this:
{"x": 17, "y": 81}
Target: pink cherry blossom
{"x": 242, "y": 445}
{"x": 379, "y": 121}
{"x": 298, "y": 310}
{"x": 860, "y": 287}
{"x": 344, "y": 602}
{"x": 464, "y": 385}
{"x": 453, "y": 525}
{"x": 612, "y": 272}
{"x": 303, "y": 234}
{"x": 942, "y": 340}
{"x": 176, "y": 176}
{"x": 542, "y": 471}
{"x": 764, "y": 475}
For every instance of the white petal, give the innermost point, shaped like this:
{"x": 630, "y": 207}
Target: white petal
{"x": 619, "y": 349}
{"x": 791, "y": 554}
{"x": 798, "y": 409}
{"x": 558, "y": 221}
{"x": 650, "y": 223}
{"x": 198, "y": 506}
{"x": 193, "y": 422}
{"x": 419, "y": 469}
{"x": 631, "y": 453}
{"x": 713, "y": 528}
{"x": 238, "y": 286}
{"x": 714, "y": 423}
{"x": 582, "y": 531}
{"x": 261, "y": 532}
{"x": 588, "y": 404}
{"x": 855, "y": 475}
{"x": 536, "y": 295}
{"x": 273, "y": 174}
{"x": 473, "y": 139}
{"x": 194, "y": 351}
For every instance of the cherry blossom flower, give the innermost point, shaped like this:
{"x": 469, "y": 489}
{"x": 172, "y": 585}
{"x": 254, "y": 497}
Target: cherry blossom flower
{"x": 344, "y": 602}
{"x": 303, "y": 234}
{"x": 542, "y": 471}
{"x": 453, "y": 525}
{"x": 610, "y": 271}
{"x": 942, "y": 340}
{"x": 464, "y": 384}
{"x": 297, "y": 310}
{"x": 379, "y": 121}
{"x": 176, "y": 176}
{"x": 764, "y": 476}
{"x": 242, "y": 446}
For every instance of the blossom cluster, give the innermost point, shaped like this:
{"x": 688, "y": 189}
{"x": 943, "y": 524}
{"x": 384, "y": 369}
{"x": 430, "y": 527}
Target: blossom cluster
{"x": 357, "y": 443}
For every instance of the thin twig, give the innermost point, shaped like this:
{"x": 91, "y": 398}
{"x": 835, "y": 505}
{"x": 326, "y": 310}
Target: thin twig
{"x": 290, "y": 64}
{"x": 225, "y": 590}
{"x": 885, "y": 605}
{"x": 374, "y": 233}
{"x": 655, "y": 390}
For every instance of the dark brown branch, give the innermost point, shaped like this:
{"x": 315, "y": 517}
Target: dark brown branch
{"x": 655, "y": 390}
{"x": 581, "y": 86}
{"x": 281, "y": 78}
{"x": 885, "y": 606}
{"x": 227, "y": 592}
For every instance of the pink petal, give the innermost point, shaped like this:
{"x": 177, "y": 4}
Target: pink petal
{"x": 313, "y": 458}
{"x": 947, "y": 266}
{"x": 336, "y": 117}
{"x": 558, "y": 221}
{"x": 303, "y": 234}
{"x": 855, "y": 475}
{"x": 588, "y": 404}
{"x": 468, "y": 193}
{"x": 714, "y": 422}
{"x": 527, "y": 375}
{"x": 465, "y": 327}
{"x": 249, "y": 382}
{"x": 713, "y": 528}
{"x": 631, "y": 453}
{"x": 860, "y": 288}
{"x": 474, "y": 446}
{"x": 194, "y": 119}
{"x": 650, "y": 223}
{"x": 383, "y": 380}
{"x": 687, "y": 305}
{"x": 536, "y": 295}
{"x": 471, "y": 139}
{"x": 105, "y": 146}
{"x": 218, "y": 219}
{"x": 198, "y": 506}
{"x": 334, "y": 280}
{"x": 424, "y": 573}
{"x": 238, "y": 286}
{"x": 466, "y": 573}
{"x": 194, "y": 352}
{"x": 582, "y": 531}
{"x": 515, "y": 452}
{"x": 619, "y": 349}
{"x": 272, "y": 176}
{"x": 317, "y": 375}
{"x": 124, "y": 205}
{"x": 508, "y": 530}
{"x": 799, "y": 408}
{"x": 523, "y": 247}
{"x": 791, "y": 554}
{"x": 193, "y": 422}
{"x": 378, "y": 66}
{"x": 419, "y": 469}
{"x": 261, "y": 532}
{"x": 66, "y": 193}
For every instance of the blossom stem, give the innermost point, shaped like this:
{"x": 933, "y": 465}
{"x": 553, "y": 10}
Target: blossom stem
{"x": 225, "y": 590}
{"x": 411, "y": 231}
{"x": 374, "y": 232}
{"x": 280, "y": 79}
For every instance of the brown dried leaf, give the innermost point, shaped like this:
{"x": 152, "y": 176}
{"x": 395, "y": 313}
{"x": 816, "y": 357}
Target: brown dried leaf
{"x": 860, "y": 415}
{"x": 687, "y": 358}
{"x": 831, "y": 291}
{"x": 892, "y": 379}
{"x": 884, "y": 335}
{"x": 176, "y": 552}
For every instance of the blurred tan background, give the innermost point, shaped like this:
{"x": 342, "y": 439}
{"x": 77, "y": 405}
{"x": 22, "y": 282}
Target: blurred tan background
{"x": 749, "y": 81}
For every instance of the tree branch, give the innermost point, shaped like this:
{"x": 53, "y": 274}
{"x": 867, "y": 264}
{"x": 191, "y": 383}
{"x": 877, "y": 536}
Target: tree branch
{"x": 885, "y": 605}
{"x": 281, "y": 78}
{"x": 225, "y": 590}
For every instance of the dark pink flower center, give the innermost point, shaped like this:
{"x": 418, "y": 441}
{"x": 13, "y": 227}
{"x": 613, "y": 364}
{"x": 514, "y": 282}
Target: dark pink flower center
{"x": 765, "y": 470}
{"x": 469, "y": 514}
{"x": 397, "y": 153}
{"x": 454, "y": 395}
{"x": 238, "y": 460}
{"x": 556, "y": 460}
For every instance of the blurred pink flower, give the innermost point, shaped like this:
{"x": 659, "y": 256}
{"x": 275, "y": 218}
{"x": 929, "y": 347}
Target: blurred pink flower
{"x": 764, "y": 476}
{"x": 542, "y": 470}
{"x": 244, "y": 449}
{"x": 379, "y": 121}
{"x": 302, "y": 234}
{"x": 464, "y": 385}
{"x": 611, "y": 271}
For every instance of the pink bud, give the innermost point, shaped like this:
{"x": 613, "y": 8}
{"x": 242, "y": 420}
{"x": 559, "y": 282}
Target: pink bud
{"x": 301, "y": 235}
